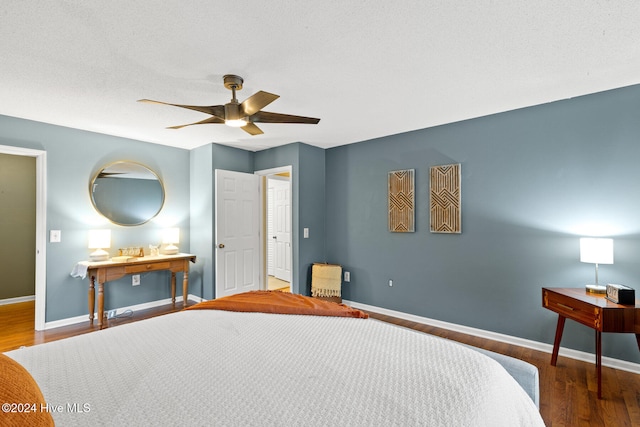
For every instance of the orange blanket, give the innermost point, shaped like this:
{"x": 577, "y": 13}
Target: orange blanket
{"x": 280, "y": 303}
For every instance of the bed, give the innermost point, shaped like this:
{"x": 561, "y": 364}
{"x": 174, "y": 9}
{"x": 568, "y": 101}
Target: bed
{"x": 210, "y": 366}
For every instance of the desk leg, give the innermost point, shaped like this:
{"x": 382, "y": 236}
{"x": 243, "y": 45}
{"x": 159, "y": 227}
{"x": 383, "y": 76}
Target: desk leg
{"x": 92, "y": 297}
{"x": 100, "y": 313}
{"x": 599, "y": 362}
{"x": 638, "y": 340}
{"x": 556, "y": 342}
{"x": 173, "y": 288}
{"x": 185, "y": 287}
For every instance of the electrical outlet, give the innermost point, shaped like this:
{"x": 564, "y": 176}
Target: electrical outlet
{"x": 390, "y": 282}
{"x": 135, "y": 280}
{"x": 347, "y": 276}
{"x": 111, "y": 314}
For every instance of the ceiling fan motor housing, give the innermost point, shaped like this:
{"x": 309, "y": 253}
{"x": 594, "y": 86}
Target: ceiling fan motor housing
{"x": 232, "y": 110}
{"x": 231, "y": 81}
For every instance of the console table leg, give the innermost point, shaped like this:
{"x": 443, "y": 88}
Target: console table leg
{"x": 173, "y": 288}
{"x": 599, "y": 362}
{"x": 185, "y": 286}
{"x": 100, "y": 313}
{"x": 556, "y": 342}
{"x": 638, "y": 340}
{"x": 92, "y": 298}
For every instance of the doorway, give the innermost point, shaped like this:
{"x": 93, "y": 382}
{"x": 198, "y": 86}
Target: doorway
{"x": 277, "y": 228}
{"x": 241, "y": 263}
{"x": 17, "y": 228}
{"x": 40, "y": 225}
{"x": 278, "y": 234}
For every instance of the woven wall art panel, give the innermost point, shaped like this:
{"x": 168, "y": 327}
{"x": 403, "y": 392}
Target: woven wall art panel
{"x": 445, "y": 199}
{"x": 402, "y": 201}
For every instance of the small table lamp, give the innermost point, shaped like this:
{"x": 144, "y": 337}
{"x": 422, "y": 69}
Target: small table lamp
{"x": 596, "y": 251}
{"x": 170, "y": 236}
{"x": 99, "y": 240}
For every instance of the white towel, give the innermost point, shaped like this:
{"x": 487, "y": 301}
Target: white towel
{"x": 80, "y": 270}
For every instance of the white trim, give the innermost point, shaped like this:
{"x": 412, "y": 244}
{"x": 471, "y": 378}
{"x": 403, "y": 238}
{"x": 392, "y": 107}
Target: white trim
{"x": 195, "y": 298}
{"x": 41, "y": 228}
{"x": 16, "y": 300}
{"x": 19, "y": 151}
{"x": 521, "y": 342}
{"x": 274, "y": 171}
{"x": 41, "y": 241}
{"x": 79, "y": 319}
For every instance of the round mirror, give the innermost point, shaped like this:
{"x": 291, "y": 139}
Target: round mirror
{"x": 127, "y": 193}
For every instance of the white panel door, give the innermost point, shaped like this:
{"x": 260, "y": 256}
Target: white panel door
{"x": 237, "y": 243}
{"x": 282, "y": 229}
{"x": 271, "y": 242}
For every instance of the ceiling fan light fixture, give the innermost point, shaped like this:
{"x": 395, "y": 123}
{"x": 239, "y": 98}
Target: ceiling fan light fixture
{"x": 235, "y": 123}
{"x": 232, "y": 114}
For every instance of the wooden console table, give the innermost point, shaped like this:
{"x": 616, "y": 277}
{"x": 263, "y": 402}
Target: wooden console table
{"x": 107, "y": 271}
{"x": 594, "y": 311}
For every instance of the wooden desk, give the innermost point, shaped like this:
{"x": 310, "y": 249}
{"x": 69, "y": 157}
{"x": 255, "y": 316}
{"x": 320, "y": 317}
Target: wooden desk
{"x": 594, "y": 311}
{"x": 107, "y": 271}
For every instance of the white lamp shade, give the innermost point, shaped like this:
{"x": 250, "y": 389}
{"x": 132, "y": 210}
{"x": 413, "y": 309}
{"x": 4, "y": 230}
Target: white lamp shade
{"x": 596, "y": 250}
{"x": 99, "y": 239}
{"x": 171, "y": 235}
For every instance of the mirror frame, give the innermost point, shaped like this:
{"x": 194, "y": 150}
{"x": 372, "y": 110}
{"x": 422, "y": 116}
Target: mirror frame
{"x": 92, "y": 182}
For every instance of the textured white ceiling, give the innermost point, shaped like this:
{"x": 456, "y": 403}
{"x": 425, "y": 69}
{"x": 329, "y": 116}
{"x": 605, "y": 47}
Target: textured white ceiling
{"x": 366, "y": 68}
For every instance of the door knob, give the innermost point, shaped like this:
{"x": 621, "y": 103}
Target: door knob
{"x": 274, "y": 237}
{"x": 221, "y": 245}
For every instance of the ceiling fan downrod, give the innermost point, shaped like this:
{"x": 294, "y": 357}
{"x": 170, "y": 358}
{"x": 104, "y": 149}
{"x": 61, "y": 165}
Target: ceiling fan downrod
{"x": 232, "y": 109}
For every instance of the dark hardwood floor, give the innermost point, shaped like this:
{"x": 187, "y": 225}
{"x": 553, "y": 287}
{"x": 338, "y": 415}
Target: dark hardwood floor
{"x": 567, "y": 391}
{"x": 17, "y": 325}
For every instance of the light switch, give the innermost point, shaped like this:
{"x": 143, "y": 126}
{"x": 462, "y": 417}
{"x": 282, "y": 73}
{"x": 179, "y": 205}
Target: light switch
{"x": 55, "y": 236}
{"x": 306, "y": 233}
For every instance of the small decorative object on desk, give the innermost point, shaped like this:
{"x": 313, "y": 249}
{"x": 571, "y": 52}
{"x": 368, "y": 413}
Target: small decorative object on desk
{"x": 137, "y": 251}
{"x": 621, "y": 294}
{"x": 154, "y": 250}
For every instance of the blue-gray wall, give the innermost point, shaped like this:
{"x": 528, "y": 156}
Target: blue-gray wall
{"x": 201, "y": 210}
{"x": 533, "y": 181}
{"x": 308, "y": 164}
{"x": 307, "y": 205}
{"x": 203, "y": 162}
{"x": 73, "y": 158}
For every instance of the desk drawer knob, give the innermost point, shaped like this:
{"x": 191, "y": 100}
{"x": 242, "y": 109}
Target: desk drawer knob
{"x": 565, "y": 306}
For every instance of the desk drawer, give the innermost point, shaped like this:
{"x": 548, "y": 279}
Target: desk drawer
{"x": 580, "y": 311}
{"x": 141, "y": 268}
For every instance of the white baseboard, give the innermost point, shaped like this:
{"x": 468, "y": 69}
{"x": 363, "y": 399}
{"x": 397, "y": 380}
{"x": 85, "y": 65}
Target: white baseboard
{"x": 195, "y": 298}
{"x": 535, "y": 345}
{"x": 134, "y": 308}
{"x": 17, "y": 300}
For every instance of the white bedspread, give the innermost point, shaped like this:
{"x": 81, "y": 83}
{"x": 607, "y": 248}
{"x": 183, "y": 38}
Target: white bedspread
{"x": 202, "y": 368}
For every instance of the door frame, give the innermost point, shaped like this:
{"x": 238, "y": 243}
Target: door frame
{"x": 41, "y": 227}
{"x": 263, "y": 223}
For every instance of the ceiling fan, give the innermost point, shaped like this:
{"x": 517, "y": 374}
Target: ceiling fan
{"x": 243, "y": 115}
